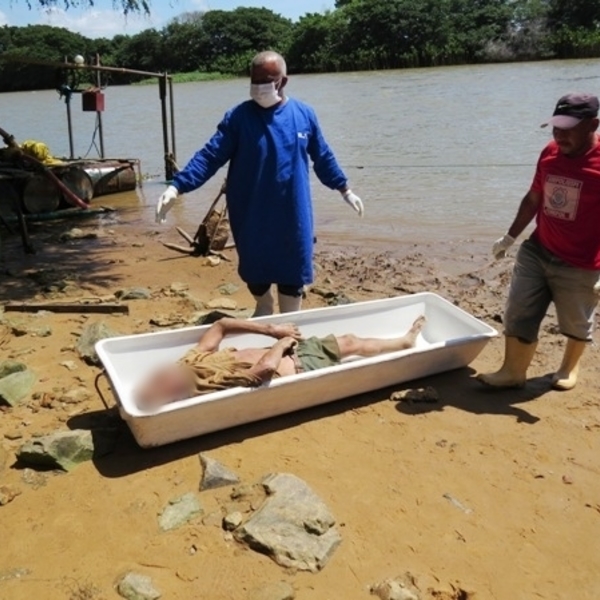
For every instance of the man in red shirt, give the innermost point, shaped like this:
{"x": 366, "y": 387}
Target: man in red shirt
{"x": 560, "y": 262}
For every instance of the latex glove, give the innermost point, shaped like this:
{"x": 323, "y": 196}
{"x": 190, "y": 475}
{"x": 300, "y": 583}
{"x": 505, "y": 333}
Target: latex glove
{"x": 354, "y": 201}
{"x": 502, "y": 245}
{"x": 165, "y": 203}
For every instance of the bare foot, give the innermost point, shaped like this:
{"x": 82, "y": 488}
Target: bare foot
{"x": 415, "y": 330}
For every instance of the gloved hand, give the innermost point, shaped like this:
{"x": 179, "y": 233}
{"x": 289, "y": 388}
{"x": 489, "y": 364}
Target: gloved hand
{"x": 502, "y": 245}
{"x": 354, "y": 201}
{"x": 597, "y": 289}
{"x": 165, "y": 203}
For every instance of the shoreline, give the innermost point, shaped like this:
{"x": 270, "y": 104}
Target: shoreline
{"x": 385, "y": 468}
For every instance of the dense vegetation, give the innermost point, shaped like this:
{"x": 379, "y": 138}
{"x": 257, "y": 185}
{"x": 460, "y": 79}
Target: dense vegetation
{"x": 357, "y": 35}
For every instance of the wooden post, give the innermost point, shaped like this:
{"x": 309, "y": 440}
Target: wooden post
{"x": 172, "y": 111}
{"x": 162, "y": 90}
{"x": 98, "y": 113}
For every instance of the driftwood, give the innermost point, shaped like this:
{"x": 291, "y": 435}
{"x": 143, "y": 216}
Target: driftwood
{"x": 69, "y": 308}
{"x": 211, "y": 235}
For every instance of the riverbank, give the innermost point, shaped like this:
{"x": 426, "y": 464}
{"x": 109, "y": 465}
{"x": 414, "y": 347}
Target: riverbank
{"x": 190, "y": 77}
{"x": 522, "y": 463}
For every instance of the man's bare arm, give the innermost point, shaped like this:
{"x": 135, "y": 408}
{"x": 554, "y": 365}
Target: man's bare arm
{"x": 527, "y": 211}
{"x": 269, "y": 362}
{"x": 228, "y": 326}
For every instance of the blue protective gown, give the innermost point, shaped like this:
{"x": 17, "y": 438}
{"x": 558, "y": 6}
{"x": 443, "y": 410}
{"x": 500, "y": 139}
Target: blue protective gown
{"x": 268, "y": 186}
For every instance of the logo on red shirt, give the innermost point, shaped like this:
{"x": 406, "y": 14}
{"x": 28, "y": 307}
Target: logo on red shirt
{"x": 561, "y": 197}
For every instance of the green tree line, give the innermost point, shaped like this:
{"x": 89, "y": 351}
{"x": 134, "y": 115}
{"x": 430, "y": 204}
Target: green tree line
{"x": 356, "y": 35}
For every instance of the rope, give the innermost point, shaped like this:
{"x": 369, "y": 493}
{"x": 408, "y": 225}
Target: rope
{"x": 93, "y": 142}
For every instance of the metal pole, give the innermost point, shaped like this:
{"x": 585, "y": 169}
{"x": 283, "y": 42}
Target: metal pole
{"x": 162, "y": 90}
{"x": 98, "y": 113}
{"x": 172, "y": 110}
{"x": 70, "y": 125}
{"x": 69, "y": 121}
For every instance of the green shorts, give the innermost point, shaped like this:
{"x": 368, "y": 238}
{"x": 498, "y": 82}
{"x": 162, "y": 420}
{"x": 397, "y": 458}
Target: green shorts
{"x": 318, "y": 353}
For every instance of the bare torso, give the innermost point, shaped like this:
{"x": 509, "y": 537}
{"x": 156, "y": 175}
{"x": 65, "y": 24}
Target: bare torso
{"x": 253, "y": 355}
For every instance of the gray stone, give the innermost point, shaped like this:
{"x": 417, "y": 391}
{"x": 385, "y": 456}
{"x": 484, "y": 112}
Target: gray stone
{"x": 136, "y": 293}
{"x": 17, "y": 386}
{"x": 428, "y": 394}
{"x": 340, "y": 299}
{"x": 77, "y": 234}
{"x": 178, "y": 288}
{"x": 293, "y": 526}
{"x": 92, "y": 333}
{"x": 44, "y": 331}
{"x": 281, "y": 590}
{"x": 179, "y": 512}
{"x": 134, "y": 586}
{"x": 75, "y": 396}
{"x": 401, "y": 588}
{"x": 222, "y": 304}
{"x": 33, "y": 478}
{"x": 8, "y": 367}
{"x": 228, "y": 289}
{"x": 66, "y": 449}
{"x": 214, "y": 474}
{"x": 232, "y": 520}
{"x": 71, "y": 365}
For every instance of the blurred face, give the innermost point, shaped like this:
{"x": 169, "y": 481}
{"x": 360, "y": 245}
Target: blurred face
{"x": 167, "y": 384}
{"x": 577, "y": 140}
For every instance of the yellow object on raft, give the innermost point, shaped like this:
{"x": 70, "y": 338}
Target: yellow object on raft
{"x": 40, "y": 151}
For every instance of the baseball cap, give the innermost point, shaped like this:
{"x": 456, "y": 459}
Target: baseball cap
{"x": 572, "y": 108}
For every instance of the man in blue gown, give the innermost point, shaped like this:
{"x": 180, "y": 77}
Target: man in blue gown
{"x": 268, "y": 141}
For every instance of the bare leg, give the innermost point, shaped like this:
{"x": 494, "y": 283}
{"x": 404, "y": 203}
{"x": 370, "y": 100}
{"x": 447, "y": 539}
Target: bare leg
{"x": 351, "y": 345}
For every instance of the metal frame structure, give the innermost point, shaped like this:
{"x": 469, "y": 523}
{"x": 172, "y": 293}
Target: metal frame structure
{"x": 165, "y": 92}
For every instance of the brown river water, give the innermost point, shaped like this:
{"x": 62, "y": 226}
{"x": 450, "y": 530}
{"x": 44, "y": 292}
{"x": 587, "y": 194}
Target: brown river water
{"x": 438, "y": 155}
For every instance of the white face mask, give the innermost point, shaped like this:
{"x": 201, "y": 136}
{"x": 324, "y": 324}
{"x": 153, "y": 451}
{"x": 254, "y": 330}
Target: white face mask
{"x": 265, "y": 94}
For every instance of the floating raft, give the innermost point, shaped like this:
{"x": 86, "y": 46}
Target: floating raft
{"x": 88, "y": 179}
{"x": 451, "y": 339}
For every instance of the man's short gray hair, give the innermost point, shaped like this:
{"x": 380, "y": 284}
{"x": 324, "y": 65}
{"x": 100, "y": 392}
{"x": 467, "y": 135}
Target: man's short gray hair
{"x": 270, "y": 56}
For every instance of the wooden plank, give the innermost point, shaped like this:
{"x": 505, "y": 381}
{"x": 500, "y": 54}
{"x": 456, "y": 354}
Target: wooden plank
{"x": 69, "y": 308}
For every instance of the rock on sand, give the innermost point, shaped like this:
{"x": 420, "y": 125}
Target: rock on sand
{"x": 135, "y": 586}
{"x": 280, "y": 590}
{"x": 179, "y": 512}
{"x": 214, "y": 474}
{"x": 66, "y": 449}
{"x": 293, "y": 526}
{"x": 16, "y": 386}
{"x": 93, "y": 332}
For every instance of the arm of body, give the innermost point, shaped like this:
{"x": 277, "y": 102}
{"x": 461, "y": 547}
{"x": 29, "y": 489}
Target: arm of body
{"x": 325, "y": 164}
{"x": 527, "y": 211}
{"x": 227, "y": 326}
{"x": 269, "y": 362}
{"x": 207, "y": 161}
{"x": 328, "y": 170}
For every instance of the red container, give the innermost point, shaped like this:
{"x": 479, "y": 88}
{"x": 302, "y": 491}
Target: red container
{"x": 92, "y": 101}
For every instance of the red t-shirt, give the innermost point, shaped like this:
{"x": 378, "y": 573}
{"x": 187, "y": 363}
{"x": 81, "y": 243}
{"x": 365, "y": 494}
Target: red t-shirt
{"x": 568, "y": 220}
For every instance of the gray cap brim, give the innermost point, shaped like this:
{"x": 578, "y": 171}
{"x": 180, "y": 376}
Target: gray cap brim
{"x": 562, "y": 122}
